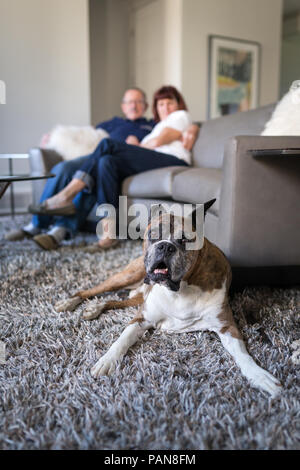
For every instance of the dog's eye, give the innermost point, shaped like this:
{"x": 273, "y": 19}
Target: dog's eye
{"x": 183, "y": 240}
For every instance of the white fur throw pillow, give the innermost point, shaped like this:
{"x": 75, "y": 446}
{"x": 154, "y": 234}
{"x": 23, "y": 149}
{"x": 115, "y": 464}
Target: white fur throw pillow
{"x": 73, "y": 141}
{"x": 285, "y": 119}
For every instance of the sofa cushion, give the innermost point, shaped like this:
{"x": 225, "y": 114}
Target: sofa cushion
{"x": 198, "y": 185}
{"x": 208, "y": 150}
{"x": 152, "y": 183}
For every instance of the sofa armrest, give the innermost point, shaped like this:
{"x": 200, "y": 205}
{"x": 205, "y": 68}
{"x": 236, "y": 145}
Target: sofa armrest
{"x": 259, "y": 219}
{"x": 41, "y": 161}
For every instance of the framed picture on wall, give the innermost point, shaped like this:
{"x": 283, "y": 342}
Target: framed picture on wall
{"x": 233, "y": 75}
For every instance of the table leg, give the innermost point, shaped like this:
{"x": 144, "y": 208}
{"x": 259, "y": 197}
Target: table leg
{"x": 3, "y": 188}
{"x": 12, "y": 196}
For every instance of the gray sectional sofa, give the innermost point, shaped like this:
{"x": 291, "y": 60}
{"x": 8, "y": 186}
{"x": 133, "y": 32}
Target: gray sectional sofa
{"x": 256, "y": 218}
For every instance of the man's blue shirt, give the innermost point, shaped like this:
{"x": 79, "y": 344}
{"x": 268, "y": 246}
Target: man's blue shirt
{"x": 119, "y": 128}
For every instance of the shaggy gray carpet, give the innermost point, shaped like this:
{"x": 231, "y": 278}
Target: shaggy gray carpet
{"x": 171, "y": 391}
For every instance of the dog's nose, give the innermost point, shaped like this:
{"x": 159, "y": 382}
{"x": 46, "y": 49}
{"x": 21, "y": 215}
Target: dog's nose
{"x": 166, "y": 248}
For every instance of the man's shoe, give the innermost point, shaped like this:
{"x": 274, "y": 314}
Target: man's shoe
{"x": 45, "y": 241}
{"x": 17, "y": 235}
{"x": 42, "y": 209}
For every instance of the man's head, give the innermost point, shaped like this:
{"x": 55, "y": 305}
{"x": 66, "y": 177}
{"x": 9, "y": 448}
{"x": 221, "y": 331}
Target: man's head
{"x": 134, "y": 103}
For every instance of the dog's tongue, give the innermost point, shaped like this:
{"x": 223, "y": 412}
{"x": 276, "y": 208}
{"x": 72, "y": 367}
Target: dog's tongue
{"x": 161, "y": 271}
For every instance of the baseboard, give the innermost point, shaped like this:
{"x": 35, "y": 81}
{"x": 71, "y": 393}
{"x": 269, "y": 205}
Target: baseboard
{"x": 272, "y": 276}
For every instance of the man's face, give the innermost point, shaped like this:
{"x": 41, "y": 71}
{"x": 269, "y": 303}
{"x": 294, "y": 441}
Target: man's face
{"x": 133, "y": 105}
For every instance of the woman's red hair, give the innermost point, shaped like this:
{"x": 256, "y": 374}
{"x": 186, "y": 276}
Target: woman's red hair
{"x": 167, "y": 92}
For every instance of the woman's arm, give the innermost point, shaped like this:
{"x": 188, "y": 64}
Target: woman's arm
{"x": 167, "y": 135}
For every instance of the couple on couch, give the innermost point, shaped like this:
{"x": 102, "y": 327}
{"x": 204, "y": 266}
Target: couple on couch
{"x": 135, "y": 144}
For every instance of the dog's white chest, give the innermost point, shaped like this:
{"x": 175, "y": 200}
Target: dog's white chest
{"x": 189, "y": 309}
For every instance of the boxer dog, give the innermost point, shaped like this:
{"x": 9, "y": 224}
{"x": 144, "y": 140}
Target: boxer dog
{"x": 178, "y": 290}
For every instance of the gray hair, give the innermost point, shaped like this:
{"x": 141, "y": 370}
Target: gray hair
{"x": 136, "y": 89}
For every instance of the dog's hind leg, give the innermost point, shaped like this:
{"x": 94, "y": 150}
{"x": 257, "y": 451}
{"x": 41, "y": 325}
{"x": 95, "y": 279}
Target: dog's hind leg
{"x": 133, "y": 273}
{"x": 96, "y": 308}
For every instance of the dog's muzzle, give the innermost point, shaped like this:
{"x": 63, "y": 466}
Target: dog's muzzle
{"x": 159, "y": 271}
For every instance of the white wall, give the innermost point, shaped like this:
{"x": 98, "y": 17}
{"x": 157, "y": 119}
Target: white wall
{"x": 44, "y": 61}
{"x": 109, "y": 47}
{"x": 173, "y": 11}
{"x": 155, "y": 59}
{"x": 98, "y": 46}
{"x": 290, "y": 50}
{"x": 177, "y": 32}
{"x": 290, "y": 62}
{"x": 117, "y": 64}
{"x": 148, "y": 50}
{"x": 255, "y": 20}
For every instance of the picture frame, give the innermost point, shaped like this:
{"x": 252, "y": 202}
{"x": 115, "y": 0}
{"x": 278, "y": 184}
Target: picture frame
{"x": 234, "y": 68}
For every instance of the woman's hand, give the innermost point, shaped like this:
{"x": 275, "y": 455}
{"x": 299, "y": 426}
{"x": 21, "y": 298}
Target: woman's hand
{"x": 151, "y": 144}
{"x": 167, "y": 135}
{"x": 189, "y": 136}
{"x": 132, "y": 140}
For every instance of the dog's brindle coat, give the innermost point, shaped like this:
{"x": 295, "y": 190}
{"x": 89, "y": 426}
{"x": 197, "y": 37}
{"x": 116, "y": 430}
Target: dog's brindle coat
{"x": 178, "y": 290}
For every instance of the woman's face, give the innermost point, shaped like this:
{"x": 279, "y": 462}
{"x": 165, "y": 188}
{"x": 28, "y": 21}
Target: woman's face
{"x": 165, "y": 107}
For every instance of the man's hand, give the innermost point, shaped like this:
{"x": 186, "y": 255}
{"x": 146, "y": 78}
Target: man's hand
{"x": 132, "y": 140}
{"x": 189, "y": 136}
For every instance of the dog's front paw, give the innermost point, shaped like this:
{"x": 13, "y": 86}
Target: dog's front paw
{"x": 93, "y": 310}
{"x": 296, "y": 354}
{"x": 264, "y": 380}
{"x": 68, "y": 304}
{"x": 106, "y": 365}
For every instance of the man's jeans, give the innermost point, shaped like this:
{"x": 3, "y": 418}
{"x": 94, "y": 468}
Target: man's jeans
{"x": 83, "y": 202}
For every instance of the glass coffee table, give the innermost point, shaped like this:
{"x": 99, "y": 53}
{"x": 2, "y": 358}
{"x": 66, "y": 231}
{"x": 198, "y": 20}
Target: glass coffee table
{"x": 6, "y": 180}
{"x": 10, "y": 176}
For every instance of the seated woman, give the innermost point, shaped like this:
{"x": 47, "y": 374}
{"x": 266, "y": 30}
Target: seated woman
{"x": 104, "y": 171}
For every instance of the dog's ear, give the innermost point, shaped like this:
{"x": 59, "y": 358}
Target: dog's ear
{"x": 207, "y": 205}
{"x": 155, "y": 210}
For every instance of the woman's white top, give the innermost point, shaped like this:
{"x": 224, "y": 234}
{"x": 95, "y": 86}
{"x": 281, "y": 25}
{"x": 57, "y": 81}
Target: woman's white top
{"x": 179, "y": 120}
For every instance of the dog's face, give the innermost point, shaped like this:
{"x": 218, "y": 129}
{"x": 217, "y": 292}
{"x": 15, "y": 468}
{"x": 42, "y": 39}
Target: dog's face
{"x": 167, "y": 257}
